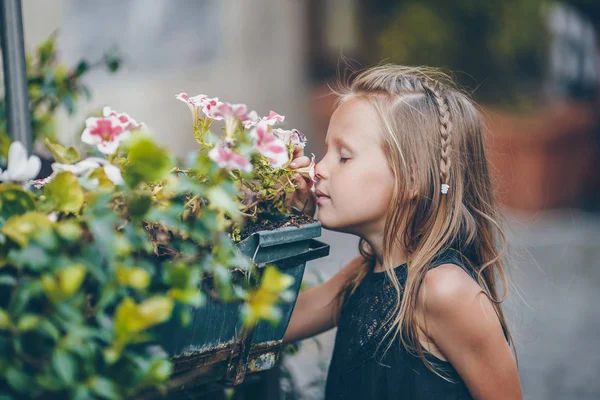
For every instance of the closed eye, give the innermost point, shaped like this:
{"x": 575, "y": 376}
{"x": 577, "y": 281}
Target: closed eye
{"x": 343, "y": 160}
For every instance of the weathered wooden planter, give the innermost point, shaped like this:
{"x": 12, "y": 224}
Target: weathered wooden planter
{"x": 214, "y": 347}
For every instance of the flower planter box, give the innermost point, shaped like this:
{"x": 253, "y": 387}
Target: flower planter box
{"x": 214, "y": 346}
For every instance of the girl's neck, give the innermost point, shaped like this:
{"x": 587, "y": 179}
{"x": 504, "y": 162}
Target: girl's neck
{"x": 398, "y": 257}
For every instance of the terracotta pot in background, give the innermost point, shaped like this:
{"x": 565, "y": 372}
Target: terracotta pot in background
{"x": 544, "y": 159}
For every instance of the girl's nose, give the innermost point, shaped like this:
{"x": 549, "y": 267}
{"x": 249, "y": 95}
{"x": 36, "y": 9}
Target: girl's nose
{"x": 319, "y": 170}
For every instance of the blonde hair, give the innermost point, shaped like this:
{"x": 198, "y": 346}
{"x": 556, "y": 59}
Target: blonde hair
{"x": 433, "y": 133}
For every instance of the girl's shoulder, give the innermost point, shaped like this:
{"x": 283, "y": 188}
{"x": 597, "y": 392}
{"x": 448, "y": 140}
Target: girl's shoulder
{"x": 453, "y": 260}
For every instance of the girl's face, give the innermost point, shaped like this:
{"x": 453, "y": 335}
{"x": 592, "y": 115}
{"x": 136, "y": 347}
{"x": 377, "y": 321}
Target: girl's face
{"x": 354, "y": 172}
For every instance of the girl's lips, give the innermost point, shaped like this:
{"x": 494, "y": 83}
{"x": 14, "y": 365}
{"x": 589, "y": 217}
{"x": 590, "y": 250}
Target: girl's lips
{"x": 321, "y": 199}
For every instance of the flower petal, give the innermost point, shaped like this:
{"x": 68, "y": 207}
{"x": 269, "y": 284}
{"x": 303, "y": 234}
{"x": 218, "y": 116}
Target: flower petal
{"x": 273, "y": 118}
{"x": 17, "y": 157}
{"x": 114, "y": 174}
{"x": 270, "y": 146}
{"x": 229, "y": 159}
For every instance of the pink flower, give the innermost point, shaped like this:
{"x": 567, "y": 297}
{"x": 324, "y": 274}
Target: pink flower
{"x": 273, "y": 118}
{"x": 229, "y": 159}
{"x": 105, "y": 133}
{"x": 252, "y": 120}
{"x": 198, "y": 103}
{"x": 270, "y": 120}
{"x": 269, "y": 146}
{"x": 222, "y": 111}
{"x": 295, "y": 137}
{"x": 130, "y": 123}
{"x": 39, "y": 183}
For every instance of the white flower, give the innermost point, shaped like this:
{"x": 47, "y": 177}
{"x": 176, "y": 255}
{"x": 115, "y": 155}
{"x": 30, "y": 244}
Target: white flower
{"x": 20, "y": 168}
{"x": 87, "y": 166}
{"x": 295, "y": 137}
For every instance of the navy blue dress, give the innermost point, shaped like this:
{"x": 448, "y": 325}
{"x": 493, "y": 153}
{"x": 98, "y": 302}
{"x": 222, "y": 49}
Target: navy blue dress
{"x": 361, "y": 370}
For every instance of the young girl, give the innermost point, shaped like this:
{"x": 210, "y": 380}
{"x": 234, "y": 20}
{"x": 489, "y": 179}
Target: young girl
{"x": 417, "y": 311}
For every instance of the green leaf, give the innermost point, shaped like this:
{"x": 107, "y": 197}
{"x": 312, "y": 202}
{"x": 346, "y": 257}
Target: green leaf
{"x": 161, "y": 370}
{"x": 8, "y": 280}
{"x": 220, "y": 199}
{"x": 15, "y": 201}
{"x": 25, "y": 292}
{"x": 61, "y": 154}
{"x": 64, "y": 193}
{"x": 33, "y": 256}
{"x": 138, "y": 205}
{"x": 181, "y": 276}
{"x": 18, "y": 379}
{"x": 65, "y": 366}
{"x": 28, "y": 322}
{"x": 105, "y": 388}
{"x": 69, "y": 230}
{"x": 146, "y": 161}
{"x": 5, "y": 321}
{"x": 21, "y": 228}
{"x": 82, "y": 68}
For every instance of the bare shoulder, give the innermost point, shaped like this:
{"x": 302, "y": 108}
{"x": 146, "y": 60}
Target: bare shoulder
{"x": 451, "y": 299}
{"x": 447, "y": 284}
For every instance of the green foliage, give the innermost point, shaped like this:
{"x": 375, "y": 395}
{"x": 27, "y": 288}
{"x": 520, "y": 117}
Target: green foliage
{"x": 88, "y": 271}
{"x": 53, "y": 86}
{"x": 146, "y": 162}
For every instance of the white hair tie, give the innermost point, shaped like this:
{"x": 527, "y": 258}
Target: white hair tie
{"x": 445, "y": 188}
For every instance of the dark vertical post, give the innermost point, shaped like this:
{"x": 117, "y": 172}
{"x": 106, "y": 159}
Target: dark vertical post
{"x": 15, "y": 74}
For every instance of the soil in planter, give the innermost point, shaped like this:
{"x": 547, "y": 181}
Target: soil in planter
{"x": 269, "y": 225}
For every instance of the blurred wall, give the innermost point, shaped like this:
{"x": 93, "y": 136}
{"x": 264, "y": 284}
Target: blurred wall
{"x": 240, "y": 51}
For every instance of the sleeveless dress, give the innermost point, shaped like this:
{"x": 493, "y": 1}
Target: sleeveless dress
{"x": 359, "y": 368}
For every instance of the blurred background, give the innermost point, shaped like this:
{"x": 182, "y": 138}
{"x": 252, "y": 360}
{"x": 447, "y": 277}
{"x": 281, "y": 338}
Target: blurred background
{"x": 533, "y": 66}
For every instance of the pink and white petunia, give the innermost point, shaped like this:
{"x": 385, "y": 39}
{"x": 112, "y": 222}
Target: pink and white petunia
{"x": 87, "y": 166}
{"x": 198, "y": 103}
{"x": 269, "y": 145}
{"x": 229, "y": 159}
{"x": 270, "y": 120}
{"x": 39, "y": 183}
{"x": 295, "y": 137}
{"x": 104, "y": 133}
{"x": 222, "y": 111}
{"x": 253, "y": 119}
{"x": 124, "y": 118}
{"x": 273, "y": 118}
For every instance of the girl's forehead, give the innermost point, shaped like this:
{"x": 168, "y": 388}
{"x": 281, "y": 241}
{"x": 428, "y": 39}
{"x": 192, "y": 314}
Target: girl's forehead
{"x": 354, "y": 123}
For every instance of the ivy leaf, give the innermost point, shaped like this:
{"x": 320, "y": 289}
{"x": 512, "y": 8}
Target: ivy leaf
{"x": 64, "y": 193}
{"x": 61, "y": 154}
